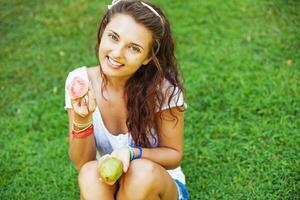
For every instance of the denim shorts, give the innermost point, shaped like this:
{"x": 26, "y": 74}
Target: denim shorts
{"x": 182, "y": 190}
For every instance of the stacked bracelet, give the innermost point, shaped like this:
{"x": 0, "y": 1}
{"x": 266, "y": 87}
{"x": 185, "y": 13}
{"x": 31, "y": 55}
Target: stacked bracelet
{"x": 131, "y": 150}
{"x": 140, "y": 152}
{"x": 84, "y": 132}
{"x": 80, "y": 130}
{"x": 79, "y": 125}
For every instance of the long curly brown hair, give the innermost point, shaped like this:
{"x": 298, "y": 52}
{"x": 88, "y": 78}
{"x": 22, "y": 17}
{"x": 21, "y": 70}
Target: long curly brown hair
{"x": 144, "y": 90}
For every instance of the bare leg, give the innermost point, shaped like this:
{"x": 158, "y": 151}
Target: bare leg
{"x": 146, "y": 180}
{"x": 90, "y": 186}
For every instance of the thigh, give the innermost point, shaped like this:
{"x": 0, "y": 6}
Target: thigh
{"x": 90, "y": 185}
{"x": 147, "y": 180}
{"x": 182, "y": 190}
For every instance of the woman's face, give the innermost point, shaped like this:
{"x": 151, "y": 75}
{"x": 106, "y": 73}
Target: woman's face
{"x": 124, "y": 47}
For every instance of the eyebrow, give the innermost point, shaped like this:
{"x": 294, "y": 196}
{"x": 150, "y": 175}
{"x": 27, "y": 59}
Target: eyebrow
{"x": 130, "y": 43}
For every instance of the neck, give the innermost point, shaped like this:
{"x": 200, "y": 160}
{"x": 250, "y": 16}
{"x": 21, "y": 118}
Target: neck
{"x": 116, "y": 84}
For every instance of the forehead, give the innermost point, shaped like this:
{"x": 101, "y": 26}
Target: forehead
{"x": 129, "y": 30}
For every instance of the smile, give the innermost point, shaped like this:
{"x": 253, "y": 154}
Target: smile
{"x": 113, "y": 63}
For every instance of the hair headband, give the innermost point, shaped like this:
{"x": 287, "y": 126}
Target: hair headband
{"x": 114, "y": 2}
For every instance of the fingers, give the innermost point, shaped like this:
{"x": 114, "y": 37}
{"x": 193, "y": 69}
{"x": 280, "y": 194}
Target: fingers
{"x": 80, "y": 107}
{"x": 125, "y": 162}
{"x": 85, "y": 105}
{"x": 92, "y": 99}
{"x": 125, "y": 165}
{"x": 111, "y": 182}
{"x": 123, "y": 155}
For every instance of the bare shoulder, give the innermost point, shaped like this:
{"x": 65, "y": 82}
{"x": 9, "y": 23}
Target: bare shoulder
{"x": 94, "y": 73}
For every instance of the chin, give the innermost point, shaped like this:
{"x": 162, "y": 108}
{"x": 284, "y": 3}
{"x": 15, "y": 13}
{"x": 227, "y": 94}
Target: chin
{"x": 110, "y": 72}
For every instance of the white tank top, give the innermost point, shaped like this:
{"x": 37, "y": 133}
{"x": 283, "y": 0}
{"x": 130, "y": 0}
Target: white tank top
{"x": 105, "y": 141}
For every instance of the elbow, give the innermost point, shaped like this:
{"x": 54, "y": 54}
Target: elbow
{"x": 77, "y": 163}
{"x": 179, "y": 159}
{"x": 78, "y": 166}
{"x": 79, "y": 158}
{"x": 178, "y": 156}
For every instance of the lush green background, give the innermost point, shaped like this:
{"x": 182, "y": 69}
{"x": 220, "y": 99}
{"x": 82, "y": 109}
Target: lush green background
{"x": 240, "y": 61}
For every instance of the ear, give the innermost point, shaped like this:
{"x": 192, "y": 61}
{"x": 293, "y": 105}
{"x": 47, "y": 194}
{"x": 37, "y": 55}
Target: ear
{"x": 147, "y": 60}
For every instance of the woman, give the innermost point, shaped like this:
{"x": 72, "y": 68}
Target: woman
{"x": 133, "y": 110}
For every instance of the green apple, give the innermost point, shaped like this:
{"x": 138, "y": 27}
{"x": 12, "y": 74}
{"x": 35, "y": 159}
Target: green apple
{"x": 110, "y": 169}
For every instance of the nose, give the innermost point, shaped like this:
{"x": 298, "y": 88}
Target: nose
{"x": 117, "y": 51}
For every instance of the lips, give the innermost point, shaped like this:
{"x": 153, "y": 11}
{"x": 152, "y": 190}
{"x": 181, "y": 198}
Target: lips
{"x": 112, "y": 63}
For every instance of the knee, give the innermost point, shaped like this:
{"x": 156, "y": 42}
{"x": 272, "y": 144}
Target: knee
{"x": 87, "y": 167}
{"x": 89, "y": 184}
{"x": 143, "y": 175}
{"x": 86, "y": 172}
{"x": 143, "y": 172}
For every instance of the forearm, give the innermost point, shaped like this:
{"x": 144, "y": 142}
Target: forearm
{"x": 82, "y": 150}
{"x": 167, "y": 157}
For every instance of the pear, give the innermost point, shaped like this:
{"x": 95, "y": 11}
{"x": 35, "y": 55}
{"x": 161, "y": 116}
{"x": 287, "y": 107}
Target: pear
{"x": 110, "y": 169}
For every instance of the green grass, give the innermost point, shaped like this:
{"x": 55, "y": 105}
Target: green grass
{"x": 240, "y": 61}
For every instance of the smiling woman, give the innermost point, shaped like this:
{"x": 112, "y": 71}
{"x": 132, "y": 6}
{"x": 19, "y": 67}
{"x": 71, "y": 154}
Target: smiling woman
{"x": 133, "y": 110}
{"x": 125, "y": 46}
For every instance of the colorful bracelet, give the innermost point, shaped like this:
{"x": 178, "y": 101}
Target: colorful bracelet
{"x": 83, "y": 133}
{"x": 131, "y": 151}
{"x": 79, "y": 125}
{"x": 140, "y": 153}
{"x": 81, "y": 130}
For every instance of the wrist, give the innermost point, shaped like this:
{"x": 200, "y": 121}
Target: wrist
{"x": 83, "y": 132}
{"x": 139, "y": 151}
{"x": 131, "y": 153}
{"x": 135, "y": 152}
{"x": 82, "y": 120}
{"x": 82, "y": 125}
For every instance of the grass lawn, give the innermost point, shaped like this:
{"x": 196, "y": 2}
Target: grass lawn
{"x": 241, "y": 67}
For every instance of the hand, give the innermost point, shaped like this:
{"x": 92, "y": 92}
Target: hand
{"x": 122, "y": 154}
{"x": 84, "y": 107}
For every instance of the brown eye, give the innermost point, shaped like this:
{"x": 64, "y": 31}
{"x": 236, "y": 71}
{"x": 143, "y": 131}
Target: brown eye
{"x": 113, "y": 37}
{"x": 135, "y": 49}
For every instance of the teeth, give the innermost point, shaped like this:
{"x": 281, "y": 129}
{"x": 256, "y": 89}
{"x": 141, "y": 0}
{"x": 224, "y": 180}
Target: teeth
{"x": 114, "y": 62}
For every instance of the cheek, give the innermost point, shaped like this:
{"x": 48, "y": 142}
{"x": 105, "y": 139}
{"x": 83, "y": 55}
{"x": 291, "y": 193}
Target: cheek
{"x": 100, "y": 49}
{"x": 138, "y": 61}
{"x": 133, "y": 59}
{"x": 103, "y": 47}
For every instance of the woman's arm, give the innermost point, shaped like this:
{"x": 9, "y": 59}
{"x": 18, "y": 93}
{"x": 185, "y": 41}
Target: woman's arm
{"x": 170, "y": 135}
{"x": 81, "y": 150}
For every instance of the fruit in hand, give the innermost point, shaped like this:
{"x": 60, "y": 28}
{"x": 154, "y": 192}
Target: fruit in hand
{"x": 110, "y": 169}
{"x": 78, "y": 87}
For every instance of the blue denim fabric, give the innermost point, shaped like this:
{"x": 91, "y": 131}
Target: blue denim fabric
{"x": 182, "y": 191}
